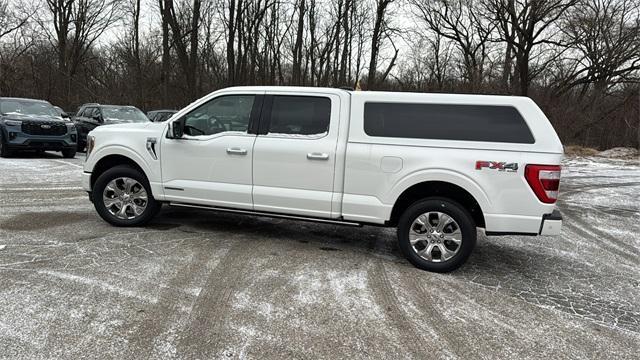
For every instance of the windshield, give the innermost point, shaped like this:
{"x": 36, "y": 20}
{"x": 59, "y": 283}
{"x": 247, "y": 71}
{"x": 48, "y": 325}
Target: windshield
{"x": 26, "y": 107}
{"x": 123, "y": 113}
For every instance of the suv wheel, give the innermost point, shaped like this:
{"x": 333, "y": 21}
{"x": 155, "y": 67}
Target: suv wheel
{"x": 436, "y": 234}
{"x": 122, "y": 197}
{"x": 4, "y": 150}
{"x": 71, "y": 153}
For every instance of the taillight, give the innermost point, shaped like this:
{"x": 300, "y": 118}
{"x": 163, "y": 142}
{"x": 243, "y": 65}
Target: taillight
{"x": 544, "y": 181}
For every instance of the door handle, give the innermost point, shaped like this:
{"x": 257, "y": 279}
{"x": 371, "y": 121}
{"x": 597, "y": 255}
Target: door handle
{"x": 236, "y": 151}
{"x": 317, "y": 156}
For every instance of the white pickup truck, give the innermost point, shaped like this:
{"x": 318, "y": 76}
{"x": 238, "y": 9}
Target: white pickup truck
{"x": 436, "y": 166}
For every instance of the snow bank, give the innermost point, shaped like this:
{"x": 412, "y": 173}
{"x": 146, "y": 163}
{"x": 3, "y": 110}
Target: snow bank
{"x": 620, "y": 152}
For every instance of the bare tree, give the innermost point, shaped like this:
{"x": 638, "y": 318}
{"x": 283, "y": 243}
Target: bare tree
{"x": 604, "y": 38}
{"x": 524, "y": 25}
{"x": 296, "y": 66}
{"x": 381, "y": 30}
{"x": 11, "y": 19}
{"x": 461, "y": 22}
{"x": 185, "y": 28}
{"x": 77, "y": 25}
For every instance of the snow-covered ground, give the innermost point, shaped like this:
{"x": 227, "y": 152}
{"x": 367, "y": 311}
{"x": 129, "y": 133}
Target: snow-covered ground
{"x": 203, "y": 285}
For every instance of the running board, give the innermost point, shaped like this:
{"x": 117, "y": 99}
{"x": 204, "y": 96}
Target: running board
{"x": 267, "y": 214}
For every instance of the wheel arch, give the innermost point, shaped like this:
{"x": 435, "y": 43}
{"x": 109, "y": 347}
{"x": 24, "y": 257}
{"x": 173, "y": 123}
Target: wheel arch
{"x": 109, "y": 161}
{"x": 438, "y": 188}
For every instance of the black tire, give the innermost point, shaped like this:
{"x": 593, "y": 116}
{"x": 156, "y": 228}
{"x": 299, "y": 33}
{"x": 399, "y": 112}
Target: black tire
{"x": 80, "y": 146}
{"x": 115, "y": 172}
{"x": 446, "y": 206}
{"x": 69, "y": 154}
{"x": 4, "y": 150}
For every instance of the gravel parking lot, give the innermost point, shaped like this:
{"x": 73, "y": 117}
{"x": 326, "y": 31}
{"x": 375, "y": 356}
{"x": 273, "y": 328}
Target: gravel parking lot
{"x": 207, "y": 285}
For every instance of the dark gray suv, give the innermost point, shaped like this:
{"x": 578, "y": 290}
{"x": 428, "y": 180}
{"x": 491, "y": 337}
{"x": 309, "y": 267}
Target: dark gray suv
{"x": 92, "y": 115}
{"x": 28, "y": 124}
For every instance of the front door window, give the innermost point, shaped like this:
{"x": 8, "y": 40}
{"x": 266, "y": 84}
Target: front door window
{"x": 223, "y": 114}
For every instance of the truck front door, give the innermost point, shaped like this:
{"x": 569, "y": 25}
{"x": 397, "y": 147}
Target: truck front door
{"x": 212, "y": 163}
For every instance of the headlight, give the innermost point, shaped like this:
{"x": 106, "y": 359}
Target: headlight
{"x": 91, "y": 141}
{"x": 13, "y": 123}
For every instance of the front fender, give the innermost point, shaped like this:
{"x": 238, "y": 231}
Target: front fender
{"x": 150, "y": 171}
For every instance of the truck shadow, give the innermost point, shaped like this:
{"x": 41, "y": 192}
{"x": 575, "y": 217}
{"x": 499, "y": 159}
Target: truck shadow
{"x": 377, "y": 241}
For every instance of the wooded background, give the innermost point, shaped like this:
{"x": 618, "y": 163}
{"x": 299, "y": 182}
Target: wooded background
{"x": 578, "y": 59}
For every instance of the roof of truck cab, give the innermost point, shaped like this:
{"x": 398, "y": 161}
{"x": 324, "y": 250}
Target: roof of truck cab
{"x": 390, "y": 95}
{"x": 303, "y": 89}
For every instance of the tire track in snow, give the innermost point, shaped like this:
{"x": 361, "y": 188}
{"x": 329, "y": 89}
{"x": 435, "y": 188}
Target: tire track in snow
{"x": 615, "y": 246}
{"x": 161, "y": 322}
{"x": 203, "y": 337}
{"x": 410, "y": 338}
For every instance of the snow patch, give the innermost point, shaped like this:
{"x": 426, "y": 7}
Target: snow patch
{"x": 99, "y": 284}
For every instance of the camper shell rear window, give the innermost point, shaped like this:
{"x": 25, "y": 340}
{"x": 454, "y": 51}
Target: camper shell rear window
{"x": 491, "y": 123}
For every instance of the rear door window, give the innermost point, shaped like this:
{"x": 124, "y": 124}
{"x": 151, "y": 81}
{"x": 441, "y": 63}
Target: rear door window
{"x": 492, "y": 123}
{"x": 300, "y": 115}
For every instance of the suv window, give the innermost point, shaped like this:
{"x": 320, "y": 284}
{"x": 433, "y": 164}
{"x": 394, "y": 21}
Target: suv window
{"x": 118, "y": 114}
{"x": 492, "y": 123}
{"x": 26, "y": 107}
{"x": 225, "y": 113}
{"x": 87, "y": 112}
{"x": 300, "y": 115}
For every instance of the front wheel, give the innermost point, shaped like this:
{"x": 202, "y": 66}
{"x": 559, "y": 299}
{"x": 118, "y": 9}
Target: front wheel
{"x": 4, "y": 150}
{"x": 436, "y": 234}
{"x": 122, "y": 197}
{"x": 71, "y": 153}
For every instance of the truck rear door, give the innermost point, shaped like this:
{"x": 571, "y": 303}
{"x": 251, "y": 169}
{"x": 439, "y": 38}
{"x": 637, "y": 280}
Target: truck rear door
{"x": 294, "y": 155}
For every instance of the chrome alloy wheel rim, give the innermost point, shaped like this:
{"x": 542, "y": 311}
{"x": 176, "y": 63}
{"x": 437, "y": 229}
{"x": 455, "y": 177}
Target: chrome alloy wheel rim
{"x": 435, "y": 236}
{"x": 125, "y": 198}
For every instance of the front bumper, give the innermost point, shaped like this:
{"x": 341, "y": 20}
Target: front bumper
{"x": 86, "y": 181}
{"x": 21, "y": 141}
{"x": 551, "y": 223}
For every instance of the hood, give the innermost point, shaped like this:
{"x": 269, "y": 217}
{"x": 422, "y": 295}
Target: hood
{"x": 128, "y": 131}
{"x": 109, "y": 121}
{"x": 123, "y": 127}
{"x": 24, "y": 117}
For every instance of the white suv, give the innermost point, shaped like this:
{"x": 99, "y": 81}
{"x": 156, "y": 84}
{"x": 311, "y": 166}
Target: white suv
{"x": 436, "y": 166}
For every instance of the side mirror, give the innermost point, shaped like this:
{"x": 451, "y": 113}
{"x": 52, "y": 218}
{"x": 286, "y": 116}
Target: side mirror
{"x": 176, "y": 130}
{"x": 97, "y": 118}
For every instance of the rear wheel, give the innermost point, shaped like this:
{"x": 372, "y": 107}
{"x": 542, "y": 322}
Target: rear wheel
{"x": 436, "y": 234}
{"x": 122, "y": 197}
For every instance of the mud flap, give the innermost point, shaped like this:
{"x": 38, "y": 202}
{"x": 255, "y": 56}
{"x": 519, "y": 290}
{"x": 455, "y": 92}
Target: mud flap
{"x": 551, "y": 223}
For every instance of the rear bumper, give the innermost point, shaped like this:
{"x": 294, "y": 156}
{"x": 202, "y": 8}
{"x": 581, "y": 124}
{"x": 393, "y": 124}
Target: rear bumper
{"x": 551, "y": 223}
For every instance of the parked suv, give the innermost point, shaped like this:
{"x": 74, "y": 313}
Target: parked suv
{"x": 436, "y": 166}
{"x": 28, "y": 124}
{"x": 160, "y": 115}
{"x": 92, "y": 115}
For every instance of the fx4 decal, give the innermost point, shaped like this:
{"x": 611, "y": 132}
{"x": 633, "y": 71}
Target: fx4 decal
{"x": 495, "y": 165}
